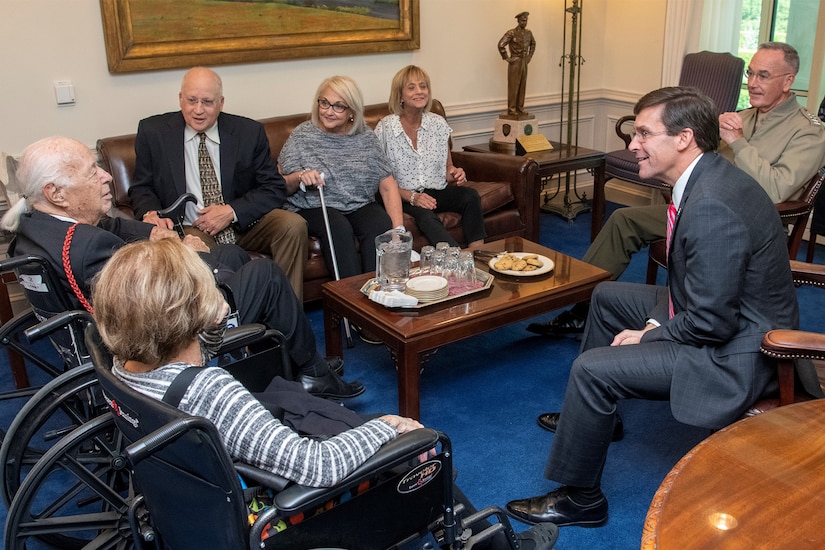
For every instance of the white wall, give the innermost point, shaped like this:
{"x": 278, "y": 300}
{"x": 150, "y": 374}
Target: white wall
{"x": 47, "y": 40}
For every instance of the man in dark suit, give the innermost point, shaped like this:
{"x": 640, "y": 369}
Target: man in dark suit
{"x": 245, "y": 207}
{"x": 66, "y": 198}
{"x": 696, "y": 341}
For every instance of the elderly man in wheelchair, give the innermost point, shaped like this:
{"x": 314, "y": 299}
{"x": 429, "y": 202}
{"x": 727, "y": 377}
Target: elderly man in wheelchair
{"x": 63, "y": 219}
{"x": 162, "y": 357}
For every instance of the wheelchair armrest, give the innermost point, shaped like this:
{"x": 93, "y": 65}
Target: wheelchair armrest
{"x": 401, "y": 449}
{"x": 46, "y": 327}
{"x": 267, "y": 479}
{"x": 238, "y": 337}
{"x": 22, "y": 320}
{"x": 627, "y": 138}
{"x": 246, "y": 335}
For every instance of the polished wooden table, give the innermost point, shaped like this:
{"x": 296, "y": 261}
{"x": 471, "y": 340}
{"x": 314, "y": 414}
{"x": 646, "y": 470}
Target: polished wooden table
{"x": 411, "y": 334}
{"x": 560, "y": 161}
{"x": 759, "y": 483}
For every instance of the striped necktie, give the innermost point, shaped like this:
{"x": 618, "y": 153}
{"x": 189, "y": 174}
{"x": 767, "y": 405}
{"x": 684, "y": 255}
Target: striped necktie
{"x": 671, "y": 219}
{"x": 211, "y": 189}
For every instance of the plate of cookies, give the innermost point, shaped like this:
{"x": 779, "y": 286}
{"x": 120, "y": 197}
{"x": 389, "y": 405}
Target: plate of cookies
{"x": 521, "y": 264}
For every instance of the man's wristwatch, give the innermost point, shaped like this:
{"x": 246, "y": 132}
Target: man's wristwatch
{"x": 401, "y": 229}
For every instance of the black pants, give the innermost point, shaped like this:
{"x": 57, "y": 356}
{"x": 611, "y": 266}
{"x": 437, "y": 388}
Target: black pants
{"x": 452, "y": 198}
{"x": 262, "y": 294}
{"x": 361, "y": 226}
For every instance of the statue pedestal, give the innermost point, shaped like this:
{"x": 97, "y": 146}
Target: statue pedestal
{"x": 508, "y": 129}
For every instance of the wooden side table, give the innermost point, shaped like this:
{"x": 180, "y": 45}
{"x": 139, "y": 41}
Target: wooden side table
{"x": 559, "y": 161}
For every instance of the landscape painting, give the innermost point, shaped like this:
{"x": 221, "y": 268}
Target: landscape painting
{"x": 162, "y": 34}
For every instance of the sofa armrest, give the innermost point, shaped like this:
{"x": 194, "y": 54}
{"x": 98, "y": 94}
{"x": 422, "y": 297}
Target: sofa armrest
{"x": 520, "y": 172}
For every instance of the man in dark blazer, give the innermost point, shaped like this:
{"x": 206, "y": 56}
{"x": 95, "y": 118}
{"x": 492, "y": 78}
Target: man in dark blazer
{"x": 66, "y": 198}
{"x": 252, "y": 189}
{"x": 696, "y": 341}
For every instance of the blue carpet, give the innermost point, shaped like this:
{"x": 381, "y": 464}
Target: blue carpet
{"x": 485, "y": 393}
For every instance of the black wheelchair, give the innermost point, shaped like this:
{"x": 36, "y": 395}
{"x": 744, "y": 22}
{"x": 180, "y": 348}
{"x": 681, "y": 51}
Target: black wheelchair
{"x": 68, "y": 399}
{"x": 151, "y": 476}
{"x": 71, "y": 397}
{"x": 76, "y": 492}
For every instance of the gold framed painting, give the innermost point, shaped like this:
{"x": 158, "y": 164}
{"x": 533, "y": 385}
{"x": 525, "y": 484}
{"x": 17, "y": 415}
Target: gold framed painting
{"x": 146, "y": 35}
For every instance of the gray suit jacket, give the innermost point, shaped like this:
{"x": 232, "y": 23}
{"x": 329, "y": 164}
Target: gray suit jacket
{"x": 730, "y": 282}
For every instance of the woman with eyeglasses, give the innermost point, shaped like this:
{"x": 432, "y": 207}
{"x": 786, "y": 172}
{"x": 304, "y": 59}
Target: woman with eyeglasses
{"x": 336, "y": 150}
{"x": 417, "y": 143}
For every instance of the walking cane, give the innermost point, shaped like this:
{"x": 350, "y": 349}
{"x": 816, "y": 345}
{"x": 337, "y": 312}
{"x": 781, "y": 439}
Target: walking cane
{"x": 332, "y": 252}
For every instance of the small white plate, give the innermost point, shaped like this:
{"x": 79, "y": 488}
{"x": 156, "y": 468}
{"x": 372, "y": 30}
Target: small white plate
{"x": 426, "y": 283}
{"x": 547, "y": 265}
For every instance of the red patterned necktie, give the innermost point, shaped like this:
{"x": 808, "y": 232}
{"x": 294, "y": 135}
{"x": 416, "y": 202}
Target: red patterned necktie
{"x": 211, "y": 189}
{"x": 671, "y": 219}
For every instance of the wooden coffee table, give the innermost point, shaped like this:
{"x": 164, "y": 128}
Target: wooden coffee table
{"x": 411, "y": 334}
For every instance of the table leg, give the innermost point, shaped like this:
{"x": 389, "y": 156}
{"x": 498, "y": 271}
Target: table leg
{"x": 408, "y": 364}
{"x": 598, "y": 201}
{"x": 332, "y": 333}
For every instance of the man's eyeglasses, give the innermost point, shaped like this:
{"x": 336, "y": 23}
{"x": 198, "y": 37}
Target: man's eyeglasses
{"x": 207, "y": 103}
{"x": 644, "y": 135}
{"x": 337, "y": 107}
{"x": 762, "y": 76}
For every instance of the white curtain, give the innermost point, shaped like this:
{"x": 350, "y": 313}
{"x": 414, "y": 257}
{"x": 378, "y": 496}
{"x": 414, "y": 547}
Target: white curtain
{"x": 720, "y": 26}
{"x": 696, "y": 25}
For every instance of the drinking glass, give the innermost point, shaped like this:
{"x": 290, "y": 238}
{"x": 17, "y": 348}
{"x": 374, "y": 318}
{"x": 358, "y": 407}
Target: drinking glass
{"x": 437, "y": 266}
{"x": 426, "y": 261}
{"x": 466, "y": 279}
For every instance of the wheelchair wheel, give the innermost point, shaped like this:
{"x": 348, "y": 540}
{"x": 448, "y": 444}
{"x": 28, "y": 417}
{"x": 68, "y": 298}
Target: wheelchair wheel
{"x": 78, "y": 495}
{"x": 62, "y": 405}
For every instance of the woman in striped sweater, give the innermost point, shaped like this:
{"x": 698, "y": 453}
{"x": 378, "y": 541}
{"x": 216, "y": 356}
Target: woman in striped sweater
{"x": 153, "y": 303}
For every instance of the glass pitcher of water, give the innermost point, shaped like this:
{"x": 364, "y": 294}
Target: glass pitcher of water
{"x": 392, "y": 259}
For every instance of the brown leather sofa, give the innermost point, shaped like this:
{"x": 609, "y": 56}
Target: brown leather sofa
{"x": 505, "y": 183}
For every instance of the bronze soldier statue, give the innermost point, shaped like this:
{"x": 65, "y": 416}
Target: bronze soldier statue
{"x": 522, "y": 46}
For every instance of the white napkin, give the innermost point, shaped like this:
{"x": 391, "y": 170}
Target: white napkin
{"x": 393, "y": 298}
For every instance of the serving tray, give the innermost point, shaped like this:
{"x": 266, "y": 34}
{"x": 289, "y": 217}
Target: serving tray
{"x": 485, "y": 278}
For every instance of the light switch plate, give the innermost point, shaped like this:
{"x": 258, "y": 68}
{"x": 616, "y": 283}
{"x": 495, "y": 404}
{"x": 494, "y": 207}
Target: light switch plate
{"x": 64, "y": 92}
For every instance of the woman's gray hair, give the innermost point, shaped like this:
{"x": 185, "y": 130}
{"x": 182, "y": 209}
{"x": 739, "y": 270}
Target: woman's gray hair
{"x": 349, "y": 91}
{"x": 49, "y": 160}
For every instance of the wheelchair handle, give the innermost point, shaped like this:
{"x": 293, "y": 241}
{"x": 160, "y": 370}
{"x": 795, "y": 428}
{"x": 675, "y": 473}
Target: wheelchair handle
{"x": 177, "y": 210}
{"x": 19, "y": 261}
{"x": 46, "y": 327}
{"x": 163, "y": 436}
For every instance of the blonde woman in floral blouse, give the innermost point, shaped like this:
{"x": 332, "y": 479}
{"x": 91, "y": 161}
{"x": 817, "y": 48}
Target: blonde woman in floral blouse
{"x": 417, "y": 143}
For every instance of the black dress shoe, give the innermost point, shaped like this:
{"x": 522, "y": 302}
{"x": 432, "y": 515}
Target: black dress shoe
{"x": 566, "y": 322}
{"x": 336, "y": 364}
{"x": 331, "y": 385}
{"x": 549, "y": 421}
{"x": 556, "y": 507}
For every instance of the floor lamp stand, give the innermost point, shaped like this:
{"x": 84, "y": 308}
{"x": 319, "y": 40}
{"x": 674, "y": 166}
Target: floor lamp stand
{"x": 571, "y": 207}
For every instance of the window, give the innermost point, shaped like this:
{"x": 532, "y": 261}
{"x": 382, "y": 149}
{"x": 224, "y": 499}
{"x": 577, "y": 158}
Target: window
{"x": 791, "y": 21}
